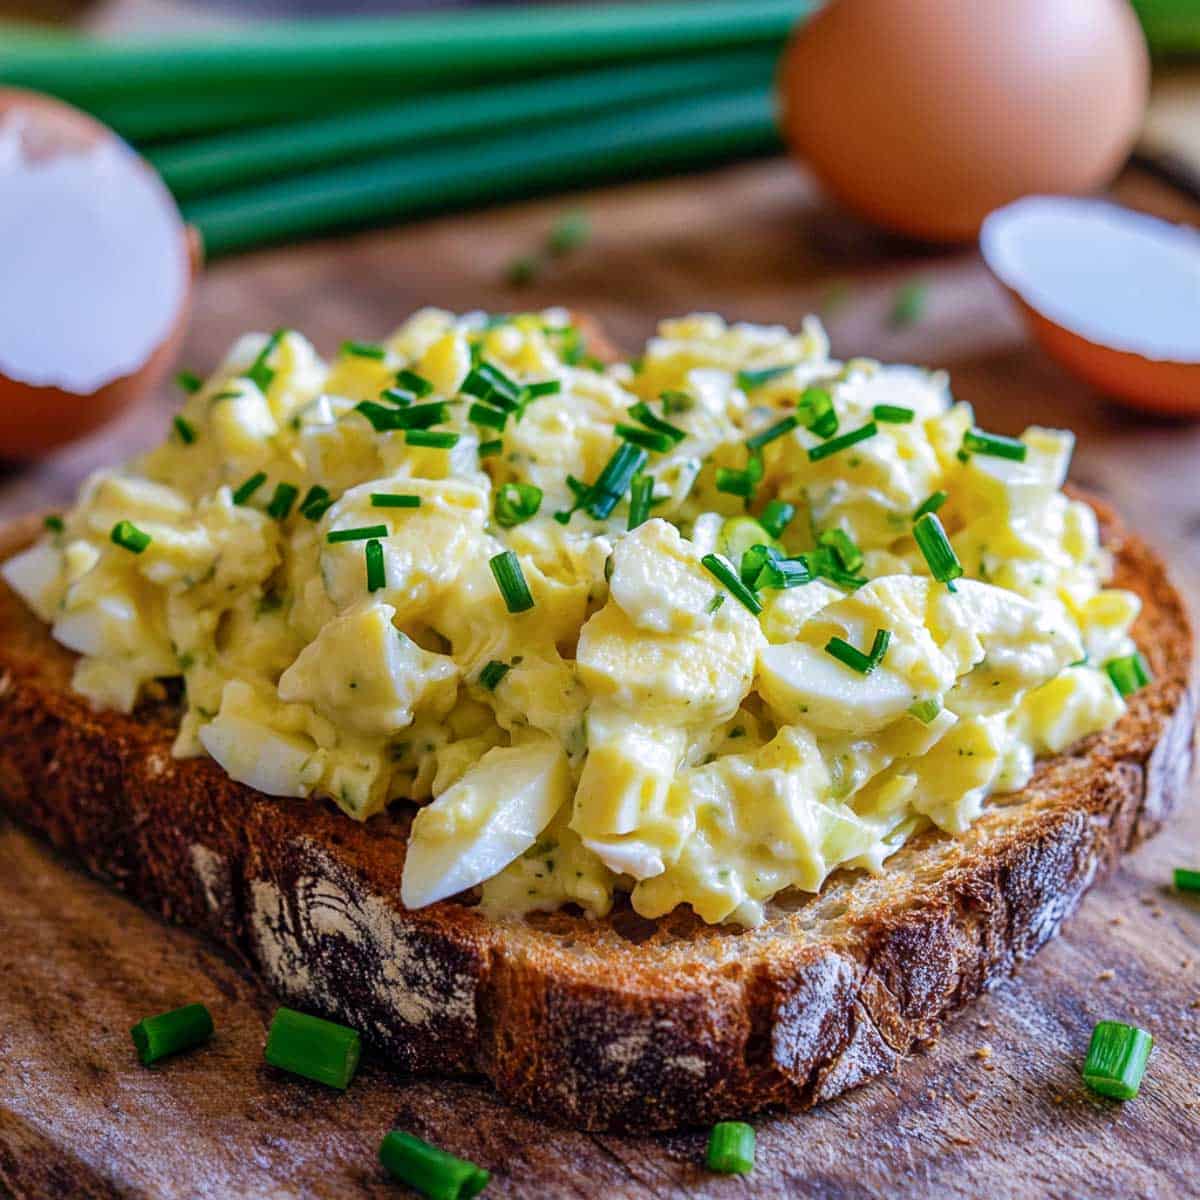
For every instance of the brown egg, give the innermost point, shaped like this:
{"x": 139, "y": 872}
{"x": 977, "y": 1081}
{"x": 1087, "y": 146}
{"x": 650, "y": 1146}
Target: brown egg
{"x": 1112, "y": 294}
{"x": 96, "y": 264}
{"x": 925, "y": 115}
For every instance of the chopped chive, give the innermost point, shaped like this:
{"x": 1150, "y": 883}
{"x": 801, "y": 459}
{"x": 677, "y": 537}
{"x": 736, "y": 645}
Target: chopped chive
{"x": 1116, "y": 1059}
{"x": 510, "y": 579}
{"x": 892, "y": 414}
{"x": 249, "y": 487}
{"x": 648, "y": 439}
{"x": 129, "y": 537}
{"x": 361, "y": 533}
{"x": 1187, "y": 881}
{"x": 516, "y": 502}
{"x": 975, "y": 441}
{"x": 675, "y": 402}
{"x": 394, "y": 500}
{"x": 485, "y": 414}
{"x": 170, "y": 1032}
{"x": 647, "y": 416}
{"x": 639, "y": 500}
{"x": 736, "y": 482}
{"x": 363, "y": 350}
{"x": 383, "y": 420}
{"x": 722, "y": 570}
{"x": 316, "y": 1049}
{"x": 376, "y": 574}
{"x": 731, "y": 1148}
{"x": 570, "y": 232}
{"x": 282, "y": 501}
{"x": 491, "y": 675}
{"x": 851, "y": 656}
{"x": 260, "y": 372}
{"x": 931, "y": 504}
{"x": 523, "y": 269}
{"x": 879, "y": 647}
{"x": 543, "y": 387}
{"x": 431, "y": 437}
{"x": 488, "y": 383}
{"x": 430, "y": 1171}
{"x": 187, "y": 434}
{"x": 487, "y": 449}
{"x": 614, "y": 480}
{"x": 908, "y": 306}
{"x": 764, "y": 567}
{"x": 715, "y": 603}
{"x": 54, "y": 523}
{"x": 776, "y": 517}
{"x": 760, "y": 439}
{"x": 189, "y": 381}
{"x": 844, "y": 547}
{"x": 749, "y": 380}
{"x": 316, "y": 500}
{"x": 816, "y": 407}
{"x": 925, "y": 710}
{"x": 412, "y": 382}
{"x": 228, "y": 394}
{"x": 936, "y": 549}
{"x": 418, "y": 416}
{"x": 400, "y": 397}
{"x": 1128, "y": 674}
{"x": 834, "y": 445}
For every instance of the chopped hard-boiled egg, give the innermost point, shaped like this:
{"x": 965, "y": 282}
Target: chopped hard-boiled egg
{"x": 666, "y": 630}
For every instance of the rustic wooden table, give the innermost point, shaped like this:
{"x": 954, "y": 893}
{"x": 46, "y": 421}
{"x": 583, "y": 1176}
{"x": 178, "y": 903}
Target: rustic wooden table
{"x": 997, "y": 1108}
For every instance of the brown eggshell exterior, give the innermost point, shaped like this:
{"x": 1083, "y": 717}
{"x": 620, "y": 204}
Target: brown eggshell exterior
{"x": 35, "y": 420}
{"x": 925, "y": 115}
{"x": 1155, "y": 385}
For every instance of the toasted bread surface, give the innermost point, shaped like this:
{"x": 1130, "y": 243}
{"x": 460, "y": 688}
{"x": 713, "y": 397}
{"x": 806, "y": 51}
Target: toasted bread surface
{"x": 616, "y": 1024}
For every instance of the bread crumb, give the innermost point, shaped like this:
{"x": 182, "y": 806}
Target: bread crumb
{"x": 962, "y": 1140}
{"x": 1117, "y": 920}
{"x": 983, "y": 1053}
{"x": 970, "y": 1096}
{"x": 1156, "y": 912}
{"x": 1106, "y": 975}
{"x": 1195, "y": 1003}
{"x": 1147, "y": 900}
{"x": 983, "y": 1023}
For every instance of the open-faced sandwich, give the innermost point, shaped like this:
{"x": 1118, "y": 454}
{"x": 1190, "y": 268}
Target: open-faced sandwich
{"x": 663, "y": 739}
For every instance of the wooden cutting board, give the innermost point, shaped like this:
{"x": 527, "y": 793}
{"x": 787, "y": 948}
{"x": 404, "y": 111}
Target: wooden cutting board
{"x": 997, "y": 1108}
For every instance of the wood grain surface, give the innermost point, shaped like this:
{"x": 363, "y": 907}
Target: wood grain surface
{"x": 997, "y": 1108}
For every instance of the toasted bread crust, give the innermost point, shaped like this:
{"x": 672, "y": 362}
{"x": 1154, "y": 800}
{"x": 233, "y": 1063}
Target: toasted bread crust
{"x": 620, "y": 1024}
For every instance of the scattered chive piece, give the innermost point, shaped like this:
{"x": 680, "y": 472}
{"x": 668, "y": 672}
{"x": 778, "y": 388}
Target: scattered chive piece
{"x": 931, "y": 504}
{"x": 844, "y": 547}
{"x": 394, "y": 500}
{"x": 676, "y": 402}
{"x": 647, "y": 416}
{"x": 1128, "y": 674}
{"x": 129, "y": 537}
{"x": 543, "y": 387}
{"x": 250, "y": 486}
{"x": 316, "y": 1049}
{"x": 776, "y": 517}
{"x": 731, "y": 1148}
{"x": 749, "y": 380}
{"x": 614, "y": 480}
{"x": 816, "y": 404}
{"x": 760, "y": 439}
{"x": 412, "y": 382}
{"x": 648, "y": 439}
{"x": 187, "y": 435}
{"x": 491, "y": 675}
{"x": 1116, "y": 1059}
{"x": 356, "y": 535}
{"x": 485, "y": 414}
{"x": 740, "y": 483}
{"x": 431, "y": 437}
{"x": 510, "y": 579}
{"x": 722, "y": 570}
{"x": 363, "y": 350}
{"x": 488, "y": 383}
{"x": 516, "y": 502}
{"x": 170, "y": 1032}
{"x": 935, "y": 546}
{"x": 228, "y": 394}
{"x": 189, "y": 381}
{"x": 398, "y": 396}
{"x": 54, "y": 523}
{"x": 417, "y": 416}
{"x": 260, "y": 373}
{"x": 639, "y": 500}
{"x": 715, "y": 603}
{"x": 892, "y": 414}
{"x": 1187, "y": 881}
{"x": 975, "y": 441}
{"x": 383, "y": 420}
{"x": 570, "y": 232}
{"x": 854, "y": 658}
{"x": 316, "y": 500}
{"x": 908, "y": 306}
{"x": 523, "y": 270}
{"x": 282, "y": 501}
{"x": 925, "y": 710}
{"x": 431, "y": 1171}
{"x": 376, "y": 574}
{"x": 764, "y": 567}
{"x": 834, "y": 445}
{"x": 487, "y": 449}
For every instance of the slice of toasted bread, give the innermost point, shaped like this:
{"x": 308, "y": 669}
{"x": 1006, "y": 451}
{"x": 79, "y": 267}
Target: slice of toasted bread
{"x": 623, "y": 1023}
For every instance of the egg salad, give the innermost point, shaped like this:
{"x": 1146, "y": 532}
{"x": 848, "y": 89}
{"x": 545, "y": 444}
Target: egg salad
{"x": 697, "y": 628}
